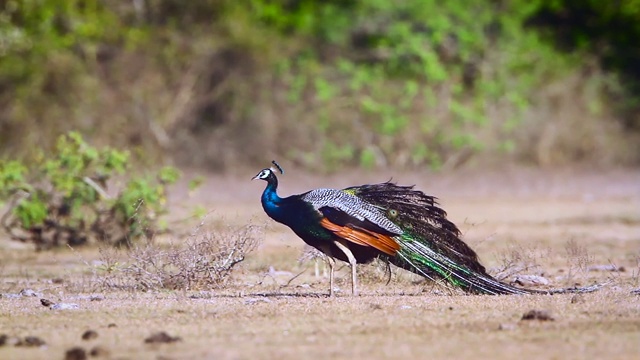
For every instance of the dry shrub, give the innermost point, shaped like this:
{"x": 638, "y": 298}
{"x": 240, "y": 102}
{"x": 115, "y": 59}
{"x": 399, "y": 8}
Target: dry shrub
{"x": 204, "y": 260}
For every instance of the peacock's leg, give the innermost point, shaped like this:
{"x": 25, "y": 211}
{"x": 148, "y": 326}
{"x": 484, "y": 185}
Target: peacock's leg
{"x": 352, "y": 261}
{"x": 332, "y": 262}
{"x": 326, "y": 250}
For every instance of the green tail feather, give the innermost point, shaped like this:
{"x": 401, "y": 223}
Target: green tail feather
{"x": 417, "y": 256}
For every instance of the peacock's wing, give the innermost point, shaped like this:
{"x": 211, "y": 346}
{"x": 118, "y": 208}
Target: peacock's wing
{"x": 354, "y": 220}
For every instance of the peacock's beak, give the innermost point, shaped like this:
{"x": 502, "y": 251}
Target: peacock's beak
{"x": 255, "y": 177}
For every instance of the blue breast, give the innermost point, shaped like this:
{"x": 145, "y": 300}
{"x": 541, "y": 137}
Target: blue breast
{"x": 291, "y": 211}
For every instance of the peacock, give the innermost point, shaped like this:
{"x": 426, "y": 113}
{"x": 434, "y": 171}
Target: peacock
{"x": 398, "y": 224}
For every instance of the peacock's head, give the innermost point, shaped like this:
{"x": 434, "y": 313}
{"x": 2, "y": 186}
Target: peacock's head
{"x": 268, "y": 174}
{"x": 264, "y": 174}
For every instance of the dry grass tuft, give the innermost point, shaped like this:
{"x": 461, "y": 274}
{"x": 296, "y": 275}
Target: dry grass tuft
{"x": 578, "y": 259}
{"x": 636, "y": 273}
{"x": 516, "y": 260}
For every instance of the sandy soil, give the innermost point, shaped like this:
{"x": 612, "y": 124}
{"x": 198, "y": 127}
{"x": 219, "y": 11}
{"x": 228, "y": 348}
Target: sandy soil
{"x": 560, "y": 222}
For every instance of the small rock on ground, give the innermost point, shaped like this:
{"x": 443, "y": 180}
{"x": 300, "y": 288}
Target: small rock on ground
{"x": 75, "y": 353}
{"x": 31, "y": 341}
{"x": 64, "y": 306}
{"x": 161, "y": 337}
{"x": 89, "y": 335}
{"x": 46, "y": 302}
{"x": 29, "y": 293}
{"x": 22, "y": 293}
{"x": 541, "y": 315}
{"x": 529, "y": 280}
{"x": 58, "y": 306}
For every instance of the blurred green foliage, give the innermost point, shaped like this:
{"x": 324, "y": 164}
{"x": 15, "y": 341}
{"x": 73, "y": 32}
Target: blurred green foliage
{"x": 608, "y": 29}
{"x": 62, "y": 197}
{"x": 389, "y": 59}
{"x": 370, "y": 83}
{"x": 34, "y": 32}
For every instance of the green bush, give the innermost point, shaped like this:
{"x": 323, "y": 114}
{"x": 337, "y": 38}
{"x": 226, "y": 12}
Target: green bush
{"x": 62, "y": 197}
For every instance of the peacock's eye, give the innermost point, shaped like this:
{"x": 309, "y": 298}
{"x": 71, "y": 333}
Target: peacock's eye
{"x": 393, "y": 213}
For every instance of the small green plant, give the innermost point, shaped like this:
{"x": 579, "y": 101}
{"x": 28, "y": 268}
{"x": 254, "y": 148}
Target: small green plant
{"x": 63, "y": 198}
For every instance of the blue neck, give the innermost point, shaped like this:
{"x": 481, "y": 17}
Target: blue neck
{"x": 271, "y": 201}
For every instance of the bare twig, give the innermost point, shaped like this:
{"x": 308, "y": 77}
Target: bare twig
{"x": 16, "y": 199}
{"x": 89, "y": 181}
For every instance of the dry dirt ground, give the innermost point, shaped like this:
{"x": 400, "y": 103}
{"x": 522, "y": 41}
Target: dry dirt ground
{"x": 568, "y": 226}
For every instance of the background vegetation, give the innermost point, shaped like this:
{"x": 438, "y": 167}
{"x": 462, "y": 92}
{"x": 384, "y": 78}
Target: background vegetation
{"x": 62, "y": 198}
{"x": 409, "y": 84}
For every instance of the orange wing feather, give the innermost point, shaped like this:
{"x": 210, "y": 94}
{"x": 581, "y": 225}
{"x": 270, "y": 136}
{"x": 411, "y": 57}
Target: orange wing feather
{"x": 364, "y": 237}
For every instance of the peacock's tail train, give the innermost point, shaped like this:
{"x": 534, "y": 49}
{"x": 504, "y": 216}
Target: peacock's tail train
{"x": 416, "y": 255}
{"x": 430, "y": 245}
